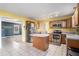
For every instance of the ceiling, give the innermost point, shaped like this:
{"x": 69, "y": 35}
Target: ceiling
{"x": 39, "y": 10}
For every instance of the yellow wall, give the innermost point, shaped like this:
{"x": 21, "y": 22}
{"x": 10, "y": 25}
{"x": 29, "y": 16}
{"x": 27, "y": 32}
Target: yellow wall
{"x": 17, "y": 18}
{"x": 24, "y": 19}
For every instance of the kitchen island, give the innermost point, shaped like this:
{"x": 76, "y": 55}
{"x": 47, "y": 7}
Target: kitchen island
{"x": 40, "y": 41}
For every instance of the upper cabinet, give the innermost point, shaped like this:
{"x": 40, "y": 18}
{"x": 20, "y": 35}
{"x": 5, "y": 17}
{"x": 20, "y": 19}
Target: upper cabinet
{"x": 75, "y": 17}
{"x": 66, "y": 23}
{"x": 57, "y": 24}
{"x": 69, "y": 23}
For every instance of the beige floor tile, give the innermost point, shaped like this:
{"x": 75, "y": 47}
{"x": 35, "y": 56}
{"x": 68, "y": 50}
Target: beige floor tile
{"x": 14, "y": 48}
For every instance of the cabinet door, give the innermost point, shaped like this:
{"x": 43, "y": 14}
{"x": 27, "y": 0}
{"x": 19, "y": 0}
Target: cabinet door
{"x": 73, "y": 21}
{"x": 63, "y": 37}
{"x": 76, "y": 17}
{"x": 64, "y": 24}
{"x": 69, "y": 23}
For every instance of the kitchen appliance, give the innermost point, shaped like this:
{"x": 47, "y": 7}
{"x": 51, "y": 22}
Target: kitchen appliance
{"x": 57, "y": 37}
{"x": 30, "y": 29}
{"x": 73, "y": 52}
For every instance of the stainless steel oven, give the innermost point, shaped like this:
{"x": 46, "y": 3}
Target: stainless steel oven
{"x": 57, "y": 37}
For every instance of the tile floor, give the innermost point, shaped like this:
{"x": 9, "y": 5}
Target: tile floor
{"x": 14, "y": 48}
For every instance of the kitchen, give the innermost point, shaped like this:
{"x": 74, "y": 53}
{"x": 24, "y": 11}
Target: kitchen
{"x": 44, "y": 32}
{"x": 59, "y": 36}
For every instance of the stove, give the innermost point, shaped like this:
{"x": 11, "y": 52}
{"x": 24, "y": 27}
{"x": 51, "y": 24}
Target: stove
{"x": 57, "y": 37}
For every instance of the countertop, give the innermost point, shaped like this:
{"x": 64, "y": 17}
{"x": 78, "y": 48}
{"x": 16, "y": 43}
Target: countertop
{"x": 72, "y": 36}
{"x": 39, "y": 35}
{"x": 68, "y": 33}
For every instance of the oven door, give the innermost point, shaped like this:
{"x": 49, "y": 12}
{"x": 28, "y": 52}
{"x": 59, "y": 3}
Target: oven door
{"x": 56, "y": 38}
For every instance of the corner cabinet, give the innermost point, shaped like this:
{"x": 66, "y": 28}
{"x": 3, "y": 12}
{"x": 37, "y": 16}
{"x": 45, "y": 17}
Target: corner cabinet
{"x": 75, "y": 17}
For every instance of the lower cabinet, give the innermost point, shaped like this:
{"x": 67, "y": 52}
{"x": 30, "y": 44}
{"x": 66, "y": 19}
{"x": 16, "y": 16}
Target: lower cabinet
{"x": 73, "y": 43}
{"x": 72, "y": 47}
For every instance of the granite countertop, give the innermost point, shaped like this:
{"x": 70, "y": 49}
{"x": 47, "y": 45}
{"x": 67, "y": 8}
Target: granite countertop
{"x": 39, "y": 35}
{"x": 72, "y": 36}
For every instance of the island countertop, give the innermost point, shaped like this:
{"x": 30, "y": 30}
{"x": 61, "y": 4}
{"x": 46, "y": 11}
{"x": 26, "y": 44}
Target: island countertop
{"x": 39, "y": 35}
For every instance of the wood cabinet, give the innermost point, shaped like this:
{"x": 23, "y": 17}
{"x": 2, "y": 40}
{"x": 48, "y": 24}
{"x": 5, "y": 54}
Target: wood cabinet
{"x": 73, "y": 43}
{"x": 69, "y": 23}
{"x": 63, "y": 38}
{"x": 73, "y": 21}
{"x": 75, "y": 17}
{"x": 66, "y": 23}
{"x": 41, "y": 43}
{"x": 72, "y": 47}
